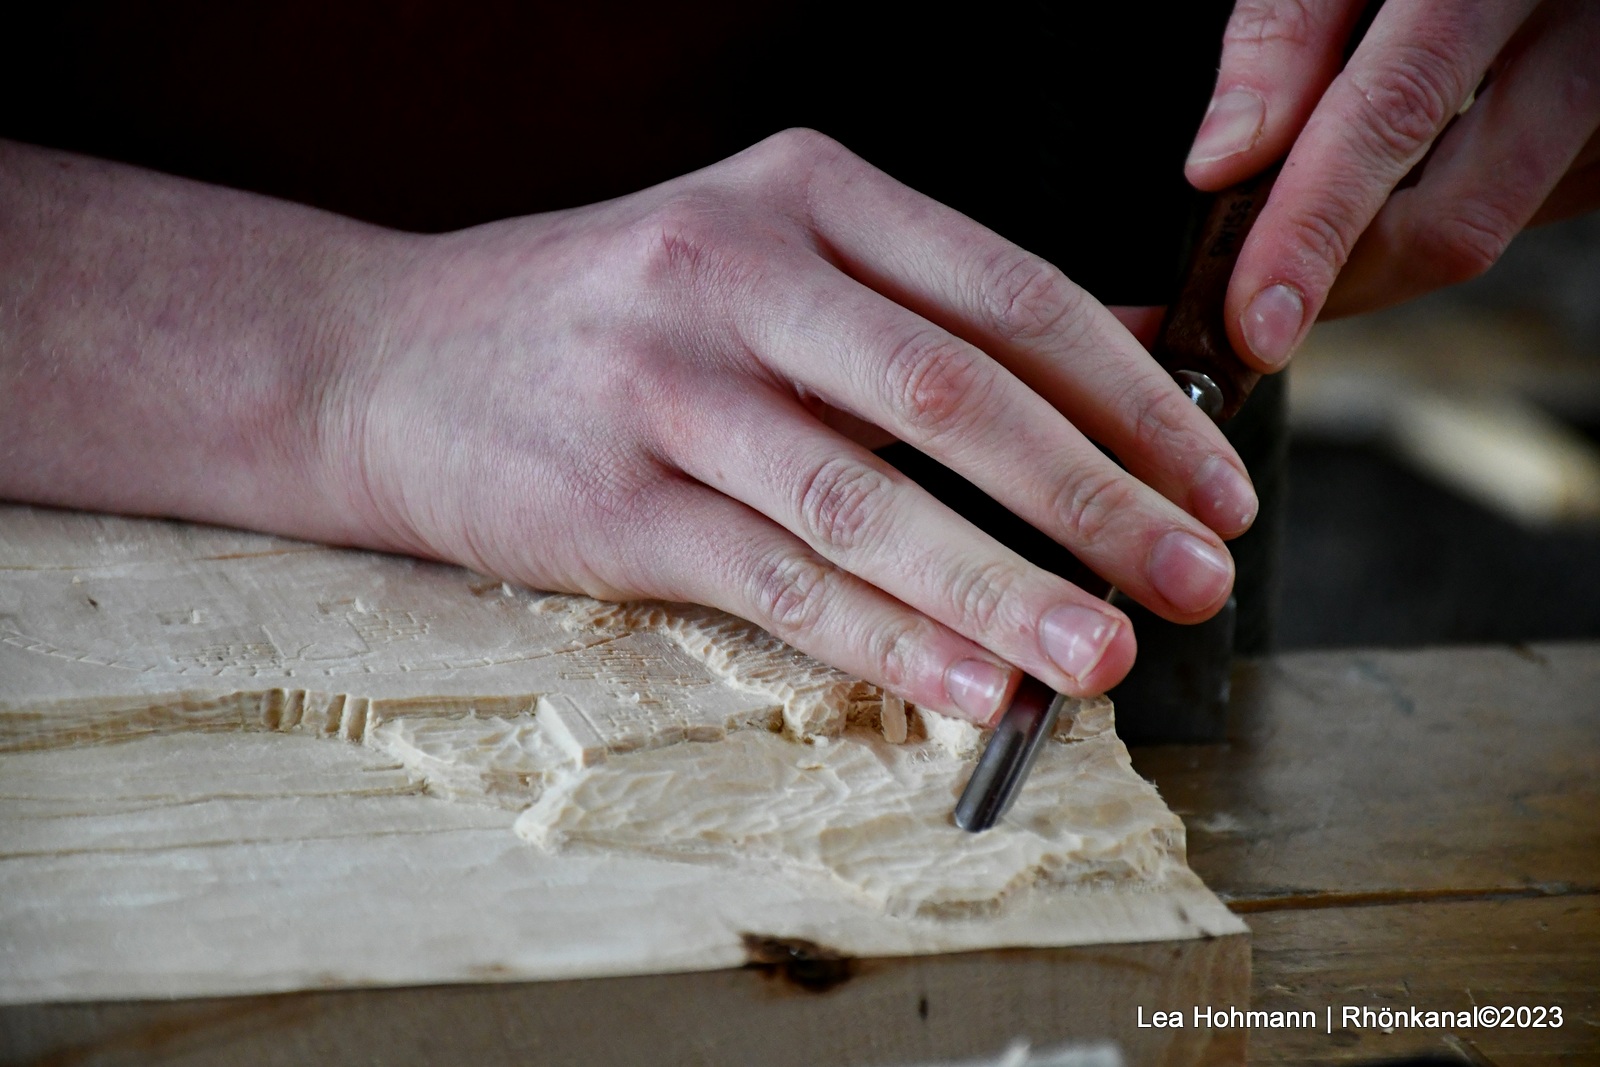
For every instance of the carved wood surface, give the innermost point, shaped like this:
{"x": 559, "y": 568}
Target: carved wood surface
{"x": 235, "y": 764}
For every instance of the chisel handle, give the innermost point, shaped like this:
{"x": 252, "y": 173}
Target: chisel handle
{"x": 1193, "y": 343}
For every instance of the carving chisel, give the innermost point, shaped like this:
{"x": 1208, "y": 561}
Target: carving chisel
{"x": 1193, "y": 346}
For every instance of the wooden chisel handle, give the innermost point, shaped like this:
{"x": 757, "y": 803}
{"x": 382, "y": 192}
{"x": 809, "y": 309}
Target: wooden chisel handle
{"x": 1193, "y": 343}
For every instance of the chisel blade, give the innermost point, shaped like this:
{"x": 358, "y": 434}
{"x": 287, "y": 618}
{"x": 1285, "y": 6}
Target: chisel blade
{"x": 1009, "y": 755}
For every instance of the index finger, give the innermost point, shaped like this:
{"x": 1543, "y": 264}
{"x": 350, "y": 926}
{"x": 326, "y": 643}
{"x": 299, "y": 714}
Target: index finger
{"x": 1278, "y": 58}
{"x": 1409, "y": 76}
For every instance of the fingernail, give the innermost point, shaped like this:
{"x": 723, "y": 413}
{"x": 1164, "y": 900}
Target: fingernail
{"x": 1075, "y": 638}
{"x": 1272, "y": 323}
{"x": 1224, "y": 498}
{"x": 977, "y": 687}
{"x": 1190, "y": 573}
{"x": 1232, "y": 124}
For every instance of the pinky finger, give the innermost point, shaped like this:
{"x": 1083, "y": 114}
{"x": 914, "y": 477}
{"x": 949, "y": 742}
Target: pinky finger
{"x": 1143, "y": 322}
{"x": 722, "y": 553}
{"x": 1578, "y": 192}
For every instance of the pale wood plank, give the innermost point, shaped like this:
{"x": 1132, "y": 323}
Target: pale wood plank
{"x": 245, "y": 766}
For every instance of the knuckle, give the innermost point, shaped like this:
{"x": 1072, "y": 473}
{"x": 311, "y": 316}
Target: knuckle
{"x": 799, "y": 160}
{"x": 1325, "y": 235}
{"x": 934, "y": 384}
{"x": 1466, "y": 241}
{"x": 894, "y": 650}
{"x": 1161, "y": 419}
{"x": 799, "y": 146}
{"x": 688, "y": 244}
{"x": 1090, "y": 503}
{"x": 979, "y": 595}
{"x": 1408, "y": 101}
{"x": 677, "y": 234}
{"x": 790, "y": 593}
{"x": 841, "y": 502}
{"x": 1026, "y": 298}
{"x": 1258, "y": 22}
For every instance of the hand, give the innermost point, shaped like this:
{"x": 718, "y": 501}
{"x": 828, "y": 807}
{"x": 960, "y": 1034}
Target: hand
{"x": 640, "y": 399}
{"x": 1337, "y": 236}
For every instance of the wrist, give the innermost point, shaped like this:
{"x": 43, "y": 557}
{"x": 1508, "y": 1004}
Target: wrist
{"x": 354, "y": 297}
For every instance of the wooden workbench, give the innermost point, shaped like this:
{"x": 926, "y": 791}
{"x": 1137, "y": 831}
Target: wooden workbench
{"x": 1406, "y": 830}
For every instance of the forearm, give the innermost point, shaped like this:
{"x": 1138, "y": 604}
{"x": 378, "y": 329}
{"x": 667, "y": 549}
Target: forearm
{"x": 171, "y": 348}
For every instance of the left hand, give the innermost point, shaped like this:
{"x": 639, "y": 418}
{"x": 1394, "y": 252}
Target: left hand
{"x": 1338, "y": 235}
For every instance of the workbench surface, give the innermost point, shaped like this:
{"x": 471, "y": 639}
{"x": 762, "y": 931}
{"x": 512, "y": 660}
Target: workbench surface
{"x": 1408, "y": 829}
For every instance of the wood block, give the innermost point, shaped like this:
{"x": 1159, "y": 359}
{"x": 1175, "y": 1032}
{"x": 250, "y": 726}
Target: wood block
{"x": 237, "y": 766}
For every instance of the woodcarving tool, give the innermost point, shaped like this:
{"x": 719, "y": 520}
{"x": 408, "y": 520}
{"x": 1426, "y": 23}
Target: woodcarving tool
{"x": 1193, "y": 346}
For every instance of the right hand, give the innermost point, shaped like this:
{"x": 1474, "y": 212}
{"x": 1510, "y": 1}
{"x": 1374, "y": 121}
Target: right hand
{"x": 667, "y": 395}
{"x": 1390, "y": 190}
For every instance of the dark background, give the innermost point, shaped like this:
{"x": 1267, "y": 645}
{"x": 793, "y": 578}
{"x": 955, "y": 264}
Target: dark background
{"x": 1062, "y": 126}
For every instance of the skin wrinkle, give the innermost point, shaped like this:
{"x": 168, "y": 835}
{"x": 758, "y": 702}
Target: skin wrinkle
{"x": 1032, "y": 308}
{"x": 1257, "y": 22}
{"x": 1406, "y": 108}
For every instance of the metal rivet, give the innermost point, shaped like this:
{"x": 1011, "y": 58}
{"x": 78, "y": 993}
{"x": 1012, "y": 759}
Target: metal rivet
{"x": 1201, "y": 390}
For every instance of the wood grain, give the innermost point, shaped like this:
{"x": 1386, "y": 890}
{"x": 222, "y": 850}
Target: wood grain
{"x": 1409, "y": 829}
{"x": 236, "y": 766}
{"x": 1372, "y": 772}
{"x": 1400, "y": 829}
{"x": 886, "y": 1013}
{"x": 1439, "y": 955}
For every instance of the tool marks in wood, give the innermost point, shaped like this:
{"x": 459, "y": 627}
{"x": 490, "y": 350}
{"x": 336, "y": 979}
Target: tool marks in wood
{"x": 646, "y": 728}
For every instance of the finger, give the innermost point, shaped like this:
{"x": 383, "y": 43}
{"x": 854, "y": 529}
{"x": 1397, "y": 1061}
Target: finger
{"x": 1578, "y": 193}
{"x": 864, "y": 517}
{"x": 1491, "y": 170}
{"x": 929, "y": 388}
{"x": 1143, "y": 322}
{"x": 1053, "y": 338}
{"x": 1278, "y": 57}
{"x": 1409, "y": 76}
{"x": 713, "y": 550}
